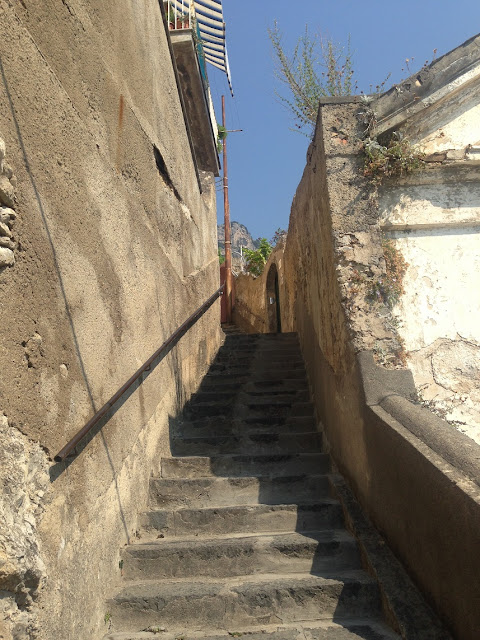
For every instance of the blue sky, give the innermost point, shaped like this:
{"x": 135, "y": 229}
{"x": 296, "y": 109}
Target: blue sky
{"x": 266, "y": 161}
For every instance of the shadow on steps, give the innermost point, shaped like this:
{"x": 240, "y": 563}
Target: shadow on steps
{"x": 242, "y": 537}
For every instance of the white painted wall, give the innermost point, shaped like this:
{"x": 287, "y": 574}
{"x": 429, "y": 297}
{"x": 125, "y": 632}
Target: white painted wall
{"x": 436, "y": 226}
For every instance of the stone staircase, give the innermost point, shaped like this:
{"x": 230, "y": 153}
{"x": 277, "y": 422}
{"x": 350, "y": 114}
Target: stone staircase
{"x": 242, "y": 538}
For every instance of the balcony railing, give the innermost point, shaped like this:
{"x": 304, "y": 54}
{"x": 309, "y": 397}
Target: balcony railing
{"x": 180, "y": 15}
{"x": 188, "y": 50}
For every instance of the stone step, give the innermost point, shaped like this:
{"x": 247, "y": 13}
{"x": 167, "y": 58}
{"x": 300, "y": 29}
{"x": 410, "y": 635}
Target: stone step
{"x": 358, "y": 629}
{"x": 220, "y": 426}
{"x": 315, "y": 552}
{"x": 260, "y": 369}
{"x": 256, "y": 358}
{"x": 243, "y": 401}
{"x": 199, "y": 493}
{"x": 317, "y": 516}
{"x": 242, "y": 377}
{"x": 245, "y": 397}
{"x": 260, "y": 359}
{"x": 281, "y": 407}
{"x": 241, "y": 465}
{"x": 212, "y": 383}
{"x": 261, "y": 443}
{"x": 259, "y": 346}
{"x": 263, "y": 338}
{"x": 229, "y": 602}
{"x": 244, "y": 541}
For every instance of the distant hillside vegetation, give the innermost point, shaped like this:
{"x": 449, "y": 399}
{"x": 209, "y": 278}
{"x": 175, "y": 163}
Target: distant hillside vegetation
{"x": 241, "y": 237}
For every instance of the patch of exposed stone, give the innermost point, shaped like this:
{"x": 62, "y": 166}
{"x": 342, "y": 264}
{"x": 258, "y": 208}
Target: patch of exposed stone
{"x": 23, "y": 482}
{"x": 449, "y": 382}
{"x": 7, "y": 211}
{"x": 361, "y": 264}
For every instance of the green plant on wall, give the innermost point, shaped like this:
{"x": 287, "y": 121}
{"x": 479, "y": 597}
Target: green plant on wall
{"x": 279, "y": 235}
{"x": 176, "y": 18}
{"x": 395, "y": 159}
{"x": 389, "y": 288}
{"x": 221, "y": 135}
{"x": 316, "y": 67}
{"x": 256, "y": 258}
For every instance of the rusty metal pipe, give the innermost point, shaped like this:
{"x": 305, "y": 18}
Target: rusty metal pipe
{"x": 63, "y": 453}
{"x": 226, "y": 209}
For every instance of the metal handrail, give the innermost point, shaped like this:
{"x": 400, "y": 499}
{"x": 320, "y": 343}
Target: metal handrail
{"x": 63, "y": 453}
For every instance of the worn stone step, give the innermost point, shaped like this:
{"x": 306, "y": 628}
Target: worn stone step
{"x": 220, "y": 426}
{"x": 263, "y": 393}
{"x": 259, "y": 357}
{"x": 221, "y": 492}
{"x": 260, "y": 346}
{"x": 223, "y": 557}
{"x": 245, "y": 465}
{"x": 261, "y": 443}
{"x": 241, "y": 377}
{"x": 246, "y": 396}
{"x": 243, "y": 400}
{"x": 247, "y": 406}
{"x": 259, "y": 363}
{"x": 263, "y": 338}
{"x": 260, "y": 599}
{"x": 320, "y": 515}
{"x": 291, "y": 358}
{"x": 257, "y": 407}
{"x": 212, "y": 383}
{"x": 266, "y": 369}
{"x": 257, "y": 353}
{"x": 346, "y": 629}
{"x": 307, "y": 416}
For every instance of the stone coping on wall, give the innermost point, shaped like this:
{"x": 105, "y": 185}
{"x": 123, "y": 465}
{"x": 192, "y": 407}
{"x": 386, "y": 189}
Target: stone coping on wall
{"x": 405, "y": 609}
{"x": 394, "y": 391}
{"x": 455, "y": 70}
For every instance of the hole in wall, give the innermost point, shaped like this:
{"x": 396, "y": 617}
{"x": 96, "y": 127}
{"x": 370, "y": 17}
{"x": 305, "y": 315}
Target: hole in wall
{"x": 163, "y": 171}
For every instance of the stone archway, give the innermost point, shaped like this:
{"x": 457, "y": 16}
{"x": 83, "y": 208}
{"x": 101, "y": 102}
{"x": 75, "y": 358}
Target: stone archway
{"x": 273, "y": 301}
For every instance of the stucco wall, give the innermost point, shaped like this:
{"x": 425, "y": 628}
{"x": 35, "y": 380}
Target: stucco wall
{"x": 434, "y": 219}
{"x": 252, "y": 303}
{"x": 112, "y": 255}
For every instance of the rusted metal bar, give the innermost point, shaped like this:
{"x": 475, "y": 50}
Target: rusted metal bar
{"x": 228, "y": 241}
{"x": 63, "y": 453}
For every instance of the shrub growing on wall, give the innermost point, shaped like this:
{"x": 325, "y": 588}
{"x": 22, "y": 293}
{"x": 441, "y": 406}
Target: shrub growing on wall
{"x": 256, "y": 258}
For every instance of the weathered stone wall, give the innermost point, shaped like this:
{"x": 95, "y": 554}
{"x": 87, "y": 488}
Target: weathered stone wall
{"x": 433, "y": 218}
{"x": 400, "y": 462}
{"x": 252, "y": 302}
{"x": 114, "y": 248}
{"x": 416, "y": 477}
{"x": 7, "y": 212}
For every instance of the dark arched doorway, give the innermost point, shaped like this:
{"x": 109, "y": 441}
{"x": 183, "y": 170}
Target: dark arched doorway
{"x": 273, "y": 301}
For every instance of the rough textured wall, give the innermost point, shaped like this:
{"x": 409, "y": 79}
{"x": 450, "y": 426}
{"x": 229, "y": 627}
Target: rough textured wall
{"x": 114, "y": 248}
{"x": 251, "y": 311}
{"x": 433, "y": 217}
{"x": 408, "y": 479}
{"x": 417, "y": 499}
